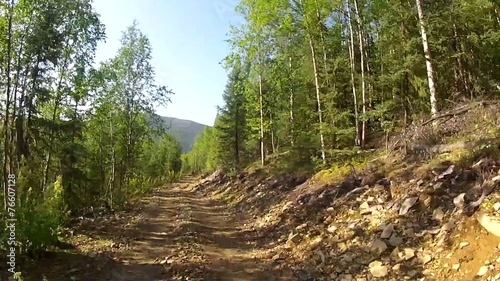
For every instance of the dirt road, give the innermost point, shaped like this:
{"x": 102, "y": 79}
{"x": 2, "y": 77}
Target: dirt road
{"x": 186, "y": 236}
{"x": 178, "y": 234}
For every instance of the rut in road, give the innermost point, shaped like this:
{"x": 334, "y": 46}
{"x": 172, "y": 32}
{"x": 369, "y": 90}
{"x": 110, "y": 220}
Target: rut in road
{"x": 186, "y": 236}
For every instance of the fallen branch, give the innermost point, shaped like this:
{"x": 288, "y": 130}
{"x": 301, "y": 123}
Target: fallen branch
{"x": 461, "y": 110}
{"x": 357, "y": 189}
{"x": 445, "y": 148}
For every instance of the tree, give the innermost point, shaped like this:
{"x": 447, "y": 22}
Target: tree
{"x": 428, "y": 59}
{"x": 202, "y": 157}
{"x": 302, "y": 57}
{"x": 46, "y": 50}
{"x": 162, "y": 157}
{"x": 125, "y": 95}
{"x": 230, "y": 125}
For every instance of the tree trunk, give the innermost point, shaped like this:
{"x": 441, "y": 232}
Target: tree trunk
{"x": 23, "y": 131}
{"x": 237, "y": 137}
{"x": 291, "y": 103}
{"x": 15, "y": 153}
{"x": 318, "y": 99}
{"x": 317, "y": 86}
{"x": 353, "y": 70}
{"x": 19, "y": 121}
{"x": 428, "y": 59}
{"x": 323, "y": 44}
{"x": 368, "y": 73}
{"x": 497, "y": 13}
{"x": 7, "y": 159}
{"x": 290, "y": 85}
{"x": 273, "y": 141}
{"x": 57, "y": 100}
{"x": 112, "y": 177}
{"x": 261, "y": 111}
{"x": 362, "y": 63}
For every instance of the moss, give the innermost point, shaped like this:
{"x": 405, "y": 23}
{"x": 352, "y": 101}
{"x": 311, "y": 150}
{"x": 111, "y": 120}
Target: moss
{"x": 333, "y": 174}
{"x": 87, "y": 243}
{"x": 396, "y": 171}
{"x": 229, "y": 197}
{"x": 488, "y": 205}
{"x": 481, "y": 151}
{"x": 338, "y": 171}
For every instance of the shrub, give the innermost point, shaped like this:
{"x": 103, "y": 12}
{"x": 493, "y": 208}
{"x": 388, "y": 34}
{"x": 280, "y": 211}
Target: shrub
{"x": 40, "y": 219}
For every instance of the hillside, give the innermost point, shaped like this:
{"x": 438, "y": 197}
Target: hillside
{"x": 353, "y": 141}
{"x": 185, "y": 131}
{"x": 400, "y": 214}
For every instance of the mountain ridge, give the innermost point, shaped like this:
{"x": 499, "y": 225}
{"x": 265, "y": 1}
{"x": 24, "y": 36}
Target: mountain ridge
{"x": 185, "y": 131}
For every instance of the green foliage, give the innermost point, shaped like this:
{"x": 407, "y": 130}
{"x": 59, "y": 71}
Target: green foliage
{"x": 162, "y": 159}
{"x": 102, "y": 151}
{"x": 44, "y": 215}
{"x": 202, "y": 156}
{"x": 172, "y": 176}
{"x": 18, "y": 276}
{"x": 230, "y": 127}
{"x": 308, "y": 54}
{"x": 294, "y": 93}
{"x": 128, "y": 153}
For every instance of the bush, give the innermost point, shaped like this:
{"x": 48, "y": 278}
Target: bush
{"x": 40, "y": 219}
{"x": 171, "y": 176}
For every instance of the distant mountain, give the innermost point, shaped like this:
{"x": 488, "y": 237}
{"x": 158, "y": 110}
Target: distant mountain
{"x": 185, "y": 131}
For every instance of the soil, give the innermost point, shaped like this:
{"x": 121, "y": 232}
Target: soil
{"x": 253, "y": 227}
{"x": 178, "y": 235}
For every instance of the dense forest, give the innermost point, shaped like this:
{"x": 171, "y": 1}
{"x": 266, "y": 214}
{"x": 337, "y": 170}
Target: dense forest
{"x": 310, "y": 83}
{"x": 75, "y": 134}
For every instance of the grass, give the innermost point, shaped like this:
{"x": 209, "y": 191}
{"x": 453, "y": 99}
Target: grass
{"x": 281, "y": 163}
{"x": 338, "y": 171}
{"x": 462, "y": 157}
{"x": 86, "y": 243}
{"x": 453, "y": 157}
{"x": 229, "y": 196}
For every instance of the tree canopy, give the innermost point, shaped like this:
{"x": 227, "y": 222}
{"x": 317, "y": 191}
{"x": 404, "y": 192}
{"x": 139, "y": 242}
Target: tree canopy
{"x": 73, "y": 134}
{"x": 323, "y": 79}
{"x": 310, "y": 82}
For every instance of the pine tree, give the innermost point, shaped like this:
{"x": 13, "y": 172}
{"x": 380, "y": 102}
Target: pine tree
{"x": 230, "y": 125}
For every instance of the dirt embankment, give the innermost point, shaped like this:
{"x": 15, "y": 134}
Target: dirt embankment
{"x": 402, "y": 223}
{"x": 398, "y": 219}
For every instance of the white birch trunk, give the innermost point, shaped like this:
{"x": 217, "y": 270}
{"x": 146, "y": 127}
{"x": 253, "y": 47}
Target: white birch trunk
{"x": 428, "y": 59}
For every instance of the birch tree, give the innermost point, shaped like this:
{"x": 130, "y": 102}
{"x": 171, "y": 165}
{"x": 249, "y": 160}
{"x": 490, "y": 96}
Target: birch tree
{"x": 428, "y": 59}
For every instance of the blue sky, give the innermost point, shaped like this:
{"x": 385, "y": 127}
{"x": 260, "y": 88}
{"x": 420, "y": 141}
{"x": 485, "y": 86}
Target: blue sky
{"x": 187, "y": 37}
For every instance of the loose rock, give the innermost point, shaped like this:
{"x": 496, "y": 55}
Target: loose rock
{"x": 294, "y": 238}
{"x": 377, "y": 269}
{"x": 438, "y": 214}
{"x": 482, "y": 271}
{"x": 459, "y": 200}
{"x": 379, "y": 246}
{"x": 395, "y": 241}
{"x": 387, "y": 231}
{"x": 409, "y": 253}
{"x": 332, "y": 229}
{"x": 407, "y": 204}
{"x": 425, "y": 258}
{"x": 496, "y": 206}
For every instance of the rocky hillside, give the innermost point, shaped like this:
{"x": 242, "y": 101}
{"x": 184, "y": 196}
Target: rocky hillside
{"x": 425, "y": 208}
{"x": 426, "y": 212}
